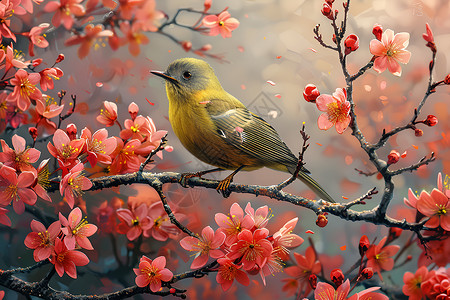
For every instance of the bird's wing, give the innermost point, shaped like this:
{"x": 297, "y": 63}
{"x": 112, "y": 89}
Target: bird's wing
{"x": 251, "y": 134}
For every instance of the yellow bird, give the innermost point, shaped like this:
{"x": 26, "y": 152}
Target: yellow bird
{"x": 219, "y": 130}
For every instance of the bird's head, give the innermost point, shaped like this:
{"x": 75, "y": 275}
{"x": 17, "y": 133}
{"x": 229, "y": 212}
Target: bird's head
{"x": 186, "y": 77}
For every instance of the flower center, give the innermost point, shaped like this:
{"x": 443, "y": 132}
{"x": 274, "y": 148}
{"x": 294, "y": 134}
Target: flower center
{"x": 442, "y": 211}
{"x": 26, "y": 88}
{"x": 221, "y": 23}
{"x": 337, "y": 111}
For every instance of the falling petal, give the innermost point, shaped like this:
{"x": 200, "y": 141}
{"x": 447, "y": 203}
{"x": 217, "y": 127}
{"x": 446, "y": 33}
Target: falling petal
{"x": 278, "y": 96}
{"x": 151, "y": 103}
{"x": 99, "y": 84}
{"x": 343, "y": 248}
{"x": 309, "y": 231}
{"x": 278, "y": 57}
{"x": 271, "y": 82}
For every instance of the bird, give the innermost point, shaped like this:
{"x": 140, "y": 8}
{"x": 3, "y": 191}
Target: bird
{"x": 219, "y": 130}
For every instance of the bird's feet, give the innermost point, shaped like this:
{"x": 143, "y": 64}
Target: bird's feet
{"x": 224, "y": 185}
{"x": 185, "y": 176}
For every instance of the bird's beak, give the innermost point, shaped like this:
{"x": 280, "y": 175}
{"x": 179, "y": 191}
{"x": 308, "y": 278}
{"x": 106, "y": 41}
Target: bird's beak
{"x": 165, "y": 76}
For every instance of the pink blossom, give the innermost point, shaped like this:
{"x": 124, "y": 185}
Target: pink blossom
{"x": 228, "y": 271}
{"x": 412, "y": 283}
{"x": 64, "y": 149}
{"x": 17, "y": 189}
{"x": 135, "y": 129}
{"x": 133, "y": 36}
{"x": 36, "y": 38}
{"x": 4, "y": 219}
{"x": 234, "y": 223}
{"x": 20, "y": 158}
{"x": 161, "y": 228}
{"x": 47, "y": 77}
{"x": 436, "y": 206}
{"x": 108, "y": 116}
{"x": 42, "y": 240}
{"x": 134, "y": 222}
{"x": 7, "y": 9}
{"x": 390, "y": 51}
{"x": 67, "y": 260}
{"x": 73, "y": 184}
{"x": 284, "y": 238}
{"x": 42, "y": 182}
{"x": 428, "y": 37}
{"x": 379, "y": 257}
{"x": 147, "y": 16}
{"x": 77, "y": 230}
{"x": 325, "y": 291}
{"x": 254, "y": 248}
{"x": 98, "y": 146}
{"x": 125, "y": 158}
{"x": 222, "y": 24}
{"x": 91, "y": 33}
{"x": 305, "y": 266}
{"x": 207, "y": 245}
{"x": 64, "y": 10}
{"x": 13, "y": 58}
{"x": 261, "y": 217}
{"x": 25, "y": 89}
{"x": 152, "y": 273}
{"x": 48, "y": 108}
{"x": 133, "y": 110}
{"x": 337, "y": 110}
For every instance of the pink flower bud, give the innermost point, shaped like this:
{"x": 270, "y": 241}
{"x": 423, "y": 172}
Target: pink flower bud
{"x": 351, "y": 43}
{"x": 393, "y": 157}
{"x": 377, "y": 31}
{"x": 310, "y": 93}
{"x": 322, "y": 220}
{"x": 187, "y": 45}
{"x": 133, "y": 110}
{"x": 418, "y": 132}
{"x": 313, "y": 281}
{"x": 337, "y": 277}
{"x": 367, "y": 273}
{"x": 33, "y": 132}
{"x": 364, "y": 245}
{"x": 326, "y": 10}
{"x": 60, "y": 58}
{"x": 430, "y": 120}
{"x": 447, "y": 79}
{"x": 71, "y": 131}
{"x": 36, "y": 62}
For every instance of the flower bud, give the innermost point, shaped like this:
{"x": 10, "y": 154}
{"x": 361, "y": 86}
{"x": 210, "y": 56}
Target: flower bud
{"x": 71, "y": 131}
{"x": 33, "y": 132}
{"x": 133, "y": 110}
{"x": 447, "y": 79}
{"x": 313, "y": 281}
{"x": 310, "y": 93}
{"x": 418, "y": 132}
{"x": 364, "y": 245}
{"x": 322, "y": 220}
{"x": 60, "y": 58}
{"x": 351, "y": 43}
{"x": 36, "y": 62}
{"x": 172, "y": 291}
{"x": 377, "y": 31}
{"x": 330, "y": 2}
{"x": 367, "y": 273}
{"x": 337, "y": 277}
{"x": 187, "y": 45}
{"x": 327, "y": 11}
{"x": 393, "y": 157}
{"x": 430, "y": 120}
{"x": 394, "y": 232}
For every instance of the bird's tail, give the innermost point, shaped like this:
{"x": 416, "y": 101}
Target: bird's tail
{"x": 313, "y": 185}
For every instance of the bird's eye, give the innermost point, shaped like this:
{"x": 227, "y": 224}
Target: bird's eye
{"x": 187, "y": 75}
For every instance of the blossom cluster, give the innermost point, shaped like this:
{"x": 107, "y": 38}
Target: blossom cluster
{"x": 433, "y": 285}
{"x": 243, "y": 245}
{"x": 61, "y": 241}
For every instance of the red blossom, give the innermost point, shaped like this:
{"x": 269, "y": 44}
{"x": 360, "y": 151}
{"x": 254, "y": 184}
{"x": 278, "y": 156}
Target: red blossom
{"x": 67, "y": 260}
{"x": 42, "y": 240}
{"x": 108, "y": 115}
{"x": 134, "y": 222}
{"x": 21, "y": 157}
{"x": 393, "y": 157}
{"x": 17, "y": 189}
{"x": 152, "y": 272}
{"x": 310, "y": 93}
{"x": 430, "y": 120}
{"x": 351, "y": 43}
{"x": 73, "y": 184}
{"x": 379, "y": 257}
{"x": 336, "y": 110}
{"x": 228, "y": 271}
{"x": 76, "y": 230}
{"x": 25, "y": 89}
{"x": 377, "y": 31}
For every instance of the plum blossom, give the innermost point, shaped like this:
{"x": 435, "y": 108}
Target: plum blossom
{"x": 42, "y": 182}
{"x": 379, "y": 257}
{"x": 65, "y": 10}
{"x": 221, "y": 24}
{"x": 234, "y": 223}
{"x": 125, "y": 158}
{"x": 325, "y": 291}
{"x": 36, "y": 38}
{"x": 73, "y": 184}
{"x": 412, "y": 283}
{"x": 390, "y": 51}
{"x": 25, "y": 89}
{"x": 20, "y": 158}
{"x": 47, "y": 77}
{"x": 91, "y": 33}
{"x": 228, "y": 271}
{"x": 207, "y": 245}
{"x": 336, "y": 110}
{"x": 42, "y": 240}
{"x": 134, "y": 222}
{"x": 152, "y": 272}
{"x": 134, "y": 37}
{"x": 17, "y": 189}
{"x": 64, "y": 149}
{"x": 284, "y": 239}
{"x": 77, "y": 230}
{"x": 436, "y": 206}
{"x": 98, "y": 146}
{"x": 108, "y": 115}
{"x": 67, "y": 260}
{"x": 161, "y": 228}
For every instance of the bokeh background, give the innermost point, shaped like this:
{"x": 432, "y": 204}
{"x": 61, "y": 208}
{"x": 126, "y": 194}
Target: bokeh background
{"x": 273, "y": 42}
